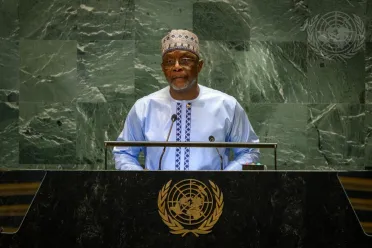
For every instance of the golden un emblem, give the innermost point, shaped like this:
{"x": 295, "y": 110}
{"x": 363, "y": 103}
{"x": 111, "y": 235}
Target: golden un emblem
{"x": 190, "y": 206}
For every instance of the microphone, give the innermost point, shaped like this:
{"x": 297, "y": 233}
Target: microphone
{"x": 173, "y": 119}
{"x": 212, "y": 139}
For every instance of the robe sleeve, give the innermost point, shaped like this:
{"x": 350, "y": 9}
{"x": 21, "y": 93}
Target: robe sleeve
{"x": 242, "y": 131}
{"x": 126, "y": 158}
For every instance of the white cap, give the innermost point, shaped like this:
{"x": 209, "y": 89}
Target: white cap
{"x": 179, "y": 39}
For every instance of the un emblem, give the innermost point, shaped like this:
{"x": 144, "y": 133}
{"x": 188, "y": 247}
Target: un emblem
{"x": 335, "y": 35}
{"x": 190, "y": 206}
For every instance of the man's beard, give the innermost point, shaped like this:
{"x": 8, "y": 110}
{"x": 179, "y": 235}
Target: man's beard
{"x": 186, "y": 86}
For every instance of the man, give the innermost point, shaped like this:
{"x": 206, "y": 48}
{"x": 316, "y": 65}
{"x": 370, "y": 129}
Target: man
{"x": 202, "y": 114}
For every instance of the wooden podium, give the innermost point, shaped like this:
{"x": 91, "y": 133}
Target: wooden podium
{"x": 181, "y": 209}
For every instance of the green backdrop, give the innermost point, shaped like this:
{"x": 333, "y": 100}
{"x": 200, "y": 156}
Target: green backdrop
{"x": 70, "y": 71}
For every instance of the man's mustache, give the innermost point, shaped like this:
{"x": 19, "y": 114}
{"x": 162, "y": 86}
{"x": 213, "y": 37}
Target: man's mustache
{"x": 187, "y": 84}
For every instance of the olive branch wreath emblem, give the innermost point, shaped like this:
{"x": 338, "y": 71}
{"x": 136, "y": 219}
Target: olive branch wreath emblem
{"x": 175, "y": 227}
{"x": 312, "y": 26}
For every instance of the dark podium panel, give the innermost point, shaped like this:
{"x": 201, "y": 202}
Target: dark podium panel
{"x": 201, "y": 209}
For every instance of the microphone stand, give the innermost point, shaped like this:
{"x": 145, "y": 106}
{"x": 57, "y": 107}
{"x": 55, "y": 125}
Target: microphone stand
{"x": 211, "y": 139}
{"x": 174, "y": 118}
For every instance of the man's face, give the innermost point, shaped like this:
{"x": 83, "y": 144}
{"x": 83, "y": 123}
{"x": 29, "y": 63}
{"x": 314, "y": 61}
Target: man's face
{"x": 181, "y": 69}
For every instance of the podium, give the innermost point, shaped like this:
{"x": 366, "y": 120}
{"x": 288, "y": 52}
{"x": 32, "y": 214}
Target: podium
{"x": 187, "y": 209}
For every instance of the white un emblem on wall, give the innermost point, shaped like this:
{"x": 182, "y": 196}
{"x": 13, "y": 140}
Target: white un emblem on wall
{"x": 335, "y": 35}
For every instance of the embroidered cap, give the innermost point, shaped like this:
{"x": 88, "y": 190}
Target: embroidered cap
{"x": 179, "y": 39}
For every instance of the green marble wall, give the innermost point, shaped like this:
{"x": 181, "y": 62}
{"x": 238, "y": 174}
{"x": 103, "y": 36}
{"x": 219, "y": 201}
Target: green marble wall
{"x": 70, "y": 70}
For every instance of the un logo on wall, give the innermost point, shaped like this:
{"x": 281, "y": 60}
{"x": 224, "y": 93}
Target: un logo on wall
{"x": 190, "y": 206}
{"x": 335, "y": 35}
